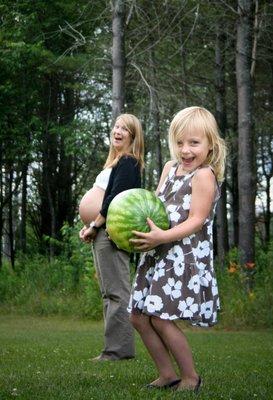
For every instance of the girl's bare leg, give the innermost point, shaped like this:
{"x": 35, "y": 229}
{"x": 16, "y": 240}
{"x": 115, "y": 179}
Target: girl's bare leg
{"x": 177, "y": 344}
{"x": 156, "y": 348}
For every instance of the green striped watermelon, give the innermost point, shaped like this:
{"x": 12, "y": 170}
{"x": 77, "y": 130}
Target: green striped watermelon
{"x": 129, "y": 211}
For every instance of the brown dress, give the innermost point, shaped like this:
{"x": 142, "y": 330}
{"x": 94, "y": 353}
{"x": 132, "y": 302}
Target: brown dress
{"x": 177, "y": 280}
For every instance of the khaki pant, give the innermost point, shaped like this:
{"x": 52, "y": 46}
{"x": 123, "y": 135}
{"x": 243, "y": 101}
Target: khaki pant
{"x": 112, "y": 266}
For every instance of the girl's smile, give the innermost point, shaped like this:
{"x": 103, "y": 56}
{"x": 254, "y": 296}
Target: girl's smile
{"x": 193, "y": 149}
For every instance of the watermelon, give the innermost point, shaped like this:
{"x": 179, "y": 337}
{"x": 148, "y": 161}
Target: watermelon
{"x": 128, "y": 211}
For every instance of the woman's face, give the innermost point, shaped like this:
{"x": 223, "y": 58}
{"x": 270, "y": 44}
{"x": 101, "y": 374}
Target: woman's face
{"x": 121, "y": 137}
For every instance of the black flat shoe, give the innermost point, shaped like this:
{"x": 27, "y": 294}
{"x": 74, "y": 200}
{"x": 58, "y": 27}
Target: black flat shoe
{"x": 166, "y": 386}
{"x": 198, "y": 385}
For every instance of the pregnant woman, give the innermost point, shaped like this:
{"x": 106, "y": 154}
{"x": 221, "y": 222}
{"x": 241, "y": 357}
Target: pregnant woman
{"x": 90, "y": 204}
{"x": 122, "y": 171}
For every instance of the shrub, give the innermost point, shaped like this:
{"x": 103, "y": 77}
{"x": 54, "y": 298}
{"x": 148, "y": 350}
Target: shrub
{"x": 68, "y": 285}
{"x": 64, "y": 285}
{"x": 246, "y": 291}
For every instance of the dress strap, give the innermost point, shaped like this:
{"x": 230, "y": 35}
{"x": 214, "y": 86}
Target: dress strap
{"x": 172, "y": 170}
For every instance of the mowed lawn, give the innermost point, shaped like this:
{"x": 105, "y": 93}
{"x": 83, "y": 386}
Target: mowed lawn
{"x": 50, "y": 358}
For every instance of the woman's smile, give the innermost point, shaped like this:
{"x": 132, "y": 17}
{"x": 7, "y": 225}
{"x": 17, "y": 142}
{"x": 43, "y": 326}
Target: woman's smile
{"x": 121, "y": 137}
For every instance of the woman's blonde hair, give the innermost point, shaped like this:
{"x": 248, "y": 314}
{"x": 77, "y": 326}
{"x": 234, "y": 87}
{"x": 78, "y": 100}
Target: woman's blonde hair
{"x": 198, "y": 118}
{"x": 136, "y": 149}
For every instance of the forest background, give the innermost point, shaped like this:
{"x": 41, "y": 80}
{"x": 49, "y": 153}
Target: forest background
{"x": 67, "y": 69}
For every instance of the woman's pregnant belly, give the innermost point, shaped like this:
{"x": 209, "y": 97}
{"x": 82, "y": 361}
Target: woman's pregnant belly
{"x": 90, "y": 204}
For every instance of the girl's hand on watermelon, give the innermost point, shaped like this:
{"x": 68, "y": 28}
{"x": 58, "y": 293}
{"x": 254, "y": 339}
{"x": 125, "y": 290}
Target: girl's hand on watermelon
{"x": 150, "y": 240}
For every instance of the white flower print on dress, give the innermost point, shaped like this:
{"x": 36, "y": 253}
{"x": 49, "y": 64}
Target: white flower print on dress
{"x": 177, "y": 185}
{"x": 214, "y": 316}
{"x": 186, "y": 202}
{"x": 211, "y": 257}
{"x": 194, "y": 283}
{"x": 168, "y": 316}
{"x": 162, "y": 188}
{"x": 200, "y": 265}
{"x": 153, "y": 303}
{"x": 176, "y": 255}
{"x": 207, "y": 309}
{"x": 172, "y": 288}
{"x": 165, "y": 316}
{"x": 173, "y": 214}
{"x": 159, "y": 270}
{"x": 209, "y": 229}
{"x": 202, "y": 249}
{"x": 142, "y": 260}
{"x": 214, "y": 287}
{"x": 139, "y": 297}
{"x": 149, "y": 274}
{"x": 144, "y": 257}
{"x": 179, "y": 269}
{"x": 187, "y": 308}
{"x": 205, "y": 279}
{"x": 186, "y": 240}
{"x": 162, "y": 198}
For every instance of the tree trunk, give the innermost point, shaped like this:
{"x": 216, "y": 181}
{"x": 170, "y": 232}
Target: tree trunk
{"x": 10, "y": 220}
{"x": 221, "y": 218}
{"x": 246, "y": 169}
{"x": 267, "y": 211}
{"x": 266, "y": 155}
{"x": 183, "y": 68}
{"x": 23, "y": 241}
{"x": 155, "y": 118}
{"x": 118, "y": 58}
{"x": 1, "y": 205}
{"x": 64, "y": 205}
{"x": 235, "y": 190}
{"x": 49, "y": 181}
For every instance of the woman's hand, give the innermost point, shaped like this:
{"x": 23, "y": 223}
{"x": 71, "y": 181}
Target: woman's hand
{"x": 150, "y": 240}
{"x": 81, "y": 233}
{"x": 87, "y": 235}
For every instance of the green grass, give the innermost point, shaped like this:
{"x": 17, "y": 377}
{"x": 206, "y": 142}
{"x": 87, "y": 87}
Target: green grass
{"x": 49, "y": 358}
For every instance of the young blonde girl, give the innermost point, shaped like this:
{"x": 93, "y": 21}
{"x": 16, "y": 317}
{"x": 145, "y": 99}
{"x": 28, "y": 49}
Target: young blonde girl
{"x": 176, "y": 279}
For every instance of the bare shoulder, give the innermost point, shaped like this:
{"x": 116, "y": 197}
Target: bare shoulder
{"x": 204, "y": 176}
{"x": 166, "y": 169}
{"x": 165, "y": 172}
{"x": 168, "y": 166}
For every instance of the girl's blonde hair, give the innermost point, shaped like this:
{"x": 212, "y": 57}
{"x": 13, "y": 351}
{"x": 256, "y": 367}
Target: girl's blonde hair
{"x": 136, "y": 149}
{"x": 198, "y": 118}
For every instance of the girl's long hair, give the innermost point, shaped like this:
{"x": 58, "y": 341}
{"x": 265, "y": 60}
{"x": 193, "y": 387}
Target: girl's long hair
{"x": 198, "y": 118}
{"x": 136, "y": 149}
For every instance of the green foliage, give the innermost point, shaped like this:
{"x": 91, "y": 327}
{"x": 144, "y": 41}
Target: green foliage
{"x": 66, "y": 285}
{"x": 246, "y": 291}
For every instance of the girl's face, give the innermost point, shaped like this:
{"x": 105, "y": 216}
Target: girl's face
{"x": 193, "y": 149}
{"x": 121, "y": 138}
